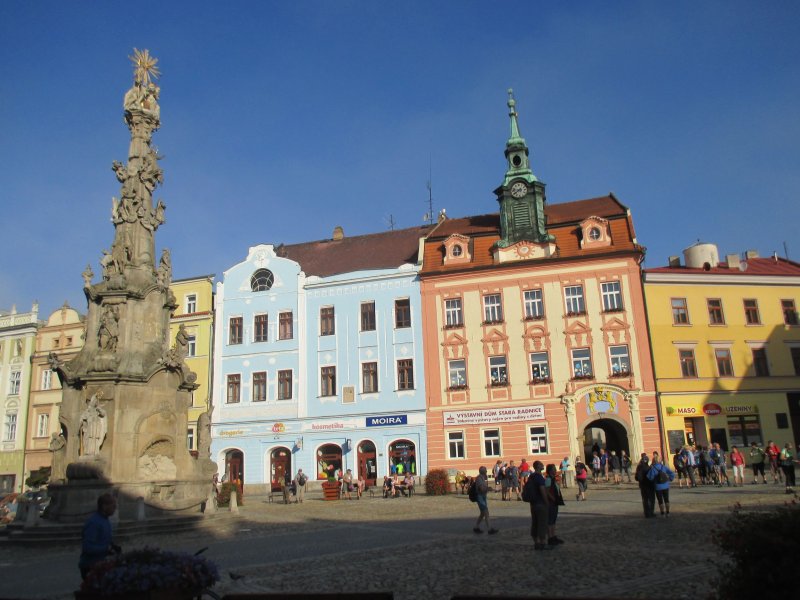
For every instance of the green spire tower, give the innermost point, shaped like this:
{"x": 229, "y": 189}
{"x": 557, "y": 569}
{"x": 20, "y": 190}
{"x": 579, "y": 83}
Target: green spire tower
{"x": 521, "y": 196}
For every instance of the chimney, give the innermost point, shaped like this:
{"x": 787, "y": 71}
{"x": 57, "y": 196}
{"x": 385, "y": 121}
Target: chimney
{"x": 733, "y": 261}
{"x": 338, "y": 233}
{"x": 674, "y": 261}
{"x": 751, "y": 254}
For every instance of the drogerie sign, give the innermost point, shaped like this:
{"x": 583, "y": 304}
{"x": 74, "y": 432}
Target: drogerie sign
{"x": 494, "y": 415}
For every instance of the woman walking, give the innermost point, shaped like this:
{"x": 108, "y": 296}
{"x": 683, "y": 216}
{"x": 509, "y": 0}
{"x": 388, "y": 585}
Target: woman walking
{"x": 774, "y": 454}
{"x": 595, "y": 467}
{"x": 737, "y": 460}
{"x": 581, "y": 474}
{"x": 787, "y": 465}
{"x": 661, "y": 475}
{"x": 554, "y": 500}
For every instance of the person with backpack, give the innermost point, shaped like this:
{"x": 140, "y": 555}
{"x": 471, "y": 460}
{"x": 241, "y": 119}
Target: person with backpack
{"x": 680, "y": 468}
{"x": 477, "y": 493}
{"x": 723, "y": 465}
{"x": 647, "y": 488}
{"x": 535, "y": 492}
{"x": 625, "y": 462}
{"x": 554, "y": 499}
{"x": 661, "y": 476}
{"x": 757, "y": 459}
{"x": 787, "y": 464}
{"x": 581, "y": 475}
{"x": 301, "y": 481}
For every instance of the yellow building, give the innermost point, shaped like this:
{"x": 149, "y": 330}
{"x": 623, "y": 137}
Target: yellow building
{"x": 63, "y": 335}
{"x": 726, "y": 348}
{"x": 195, "y": 298}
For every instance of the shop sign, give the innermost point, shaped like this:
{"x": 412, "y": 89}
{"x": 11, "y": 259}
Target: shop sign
{"x": 385, "y": 420}
{"x": 278, "y": 428}
{"x": 712, "y": 409}
{"x": 739, "y": 409}
{"x": 494, "y": 415}
{"x": 231, "y": 433}
{"x": 326, "y": 426}
{"x": 649, "y": 419}
{"x": 682, "y": 410}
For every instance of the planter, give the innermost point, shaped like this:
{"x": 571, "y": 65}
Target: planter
{"x": 330, "y": 490}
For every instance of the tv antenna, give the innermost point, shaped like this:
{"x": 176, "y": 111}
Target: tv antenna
{"x": 428, "y": 216}
{"x": 390, "y": 221}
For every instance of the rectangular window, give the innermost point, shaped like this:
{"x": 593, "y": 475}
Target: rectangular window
{"x": 540, "y": 367}
{"x": 260, "y": 386}
{"x": 369, "y": 377}
{"x": 452, "y": 312}
{"x": 367, "y": 316}
{"x": 789, "y": 312}
{"x": 69, "y": 340}
{"x": 285, "y": 326}
{"x": 680, "y": 311}
{"x": 573, "y": 297}
{"x": 715, "y": 316}
{"x": 455, "y": 444}
{"x": 724, "y": 364}
{"x": 191, "y": 346}
{"x": 491, "y": 442}
{"x": 612, "y": 296}
{"x": 11, "y": 427}
{"x": 14, "y": 383}
{"x": 620, "y": 360}
{"x": 751, "y": 315}
{"x": 538, "y": 437}
{"x": 457, "y": 373}
{"x": 492, "y": 309}
{"x": 327, "y": 381}
{"x": 260, "y": 326}
{"x": 688, "y": 364}
{"x": 402, "y": 313}
{"x": 760, "y": 362}
{"x": 234, "y": 388}
{"x": 498, "y": 370}
{"x": 581, "y": 363}
{"x": 327, "y": 321}
{"x": 405, "y": 374}
{"x": 534, "y": 306}
{"x": 191, "y": 303}
{"x": 47, "y": 379}
{"x": 285, "y": 385}
{"x": 190, "y": 439}
{"x": 235, "y": 330}
{"x": 795, "y": 352}
{"x": 43, "y": 425}
{"x": 744, "y": 431}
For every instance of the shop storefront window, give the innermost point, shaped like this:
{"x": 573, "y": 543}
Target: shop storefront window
{"x": 403, "y": 457}
{"x": 329, "y": 461}
{"x": 744, "y": 430}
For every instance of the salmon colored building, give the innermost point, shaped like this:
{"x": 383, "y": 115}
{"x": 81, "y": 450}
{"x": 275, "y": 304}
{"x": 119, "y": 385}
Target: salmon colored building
{"x": 534, "y": 329}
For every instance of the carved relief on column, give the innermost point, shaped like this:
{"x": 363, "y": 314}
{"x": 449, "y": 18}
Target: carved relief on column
{"x": 632, "y": 398}
{"x": 569, "y": 401}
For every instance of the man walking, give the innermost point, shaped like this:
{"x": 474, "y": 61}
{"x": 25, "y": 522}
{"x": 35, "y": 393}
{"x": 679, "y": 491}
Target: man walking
{"x": 301, "y": 480}
{"x": 536, "y": 493}
{"x": 757, "y": 459}
{"x": 96, "y": 539}
{"x": 481, "y": 489}
{"x": 646, "y": 487}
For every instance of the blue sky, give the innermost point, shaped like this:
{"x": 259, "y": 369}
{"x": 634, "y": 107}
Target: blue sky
{"x": 281, "y": 120}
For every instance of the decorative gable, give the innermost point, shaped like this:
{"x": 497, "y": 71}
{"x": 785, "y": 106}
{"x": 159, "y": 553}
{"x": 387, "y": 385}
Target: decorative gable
{"x": 595, "y": 233}
{"x": 456, "y": 250}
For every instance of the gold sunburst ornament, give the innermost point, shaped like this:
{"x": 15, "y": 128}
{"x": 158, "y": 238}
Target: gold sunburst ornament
{"x": 144, "y": 66}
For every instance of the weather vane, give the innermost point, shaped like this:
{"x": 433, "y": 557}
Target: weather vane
{"x": 144, "y": 67}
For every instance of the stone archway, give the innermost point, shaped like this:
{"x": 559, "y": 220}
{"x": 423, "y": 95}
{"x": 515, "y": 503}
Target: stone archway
{"x": 607, "y": 433}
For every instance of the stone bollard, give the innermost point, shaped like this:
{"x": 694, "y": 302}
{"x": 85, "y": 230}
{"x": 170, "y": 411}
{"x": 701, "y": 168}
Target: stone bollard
{"x": 210, "y": 505}
{"x": 140, "y": 509}
{"x": 234, "y": 502}
{"x": 32, "y": 515}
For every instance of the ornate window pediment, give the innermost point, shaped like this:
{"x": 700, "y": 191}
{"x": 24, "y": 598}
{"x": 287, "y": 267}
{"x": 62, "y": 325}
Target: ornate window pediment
{"x": 456, "y": 250}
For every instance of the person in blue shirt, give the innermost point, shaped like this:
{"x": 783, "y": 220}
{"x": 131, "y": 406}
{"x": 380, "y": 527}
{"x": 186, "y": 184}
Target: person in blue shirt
{"x": 661, "y": 475}
{"x": 96, "y": 539}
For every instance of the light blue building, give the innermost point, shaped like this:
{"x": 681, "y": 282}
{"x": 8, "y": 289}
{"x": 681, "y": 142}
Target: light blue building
{"x": 318, "y": 360}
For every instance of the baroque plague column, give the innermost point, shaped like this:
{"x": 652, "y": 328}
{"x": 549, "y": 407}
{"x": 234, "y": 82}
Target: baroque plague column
{"x": 126, "y": 395}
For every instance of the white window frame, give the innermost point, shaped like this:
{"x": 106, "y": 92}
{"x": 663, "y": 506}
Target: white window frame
{"x": 42, "y": 425}
{"x": 453, "y": 315}
{"x": 538, "y": 433}
{"x": 534, "y": 303}
{"x": 583, "y": 360}
{"x": 14, "y": 383}
{"x": 498, "y": 370}
{"x": 494, "y": 440}
{"x": 544, "y": 366}
{"x": 492, "y": 308}
{"x": 574, "y": 300}
{"x": 456, "y": 441}
{"x": 612, "y": 296}
{"x": 191, "y": 303}
{"x": 10, "y": 433}
{"x": 615, "y": 360}
{"x": 455, "y": 370}
{"x": 47, "y": 379}
{"x": 191, "y": 345}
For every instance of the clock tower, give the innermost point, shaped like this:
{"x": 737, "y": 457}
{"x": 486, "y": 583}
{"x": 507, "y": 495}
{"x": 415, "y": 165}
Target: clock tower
{"x": 521, "y": 196}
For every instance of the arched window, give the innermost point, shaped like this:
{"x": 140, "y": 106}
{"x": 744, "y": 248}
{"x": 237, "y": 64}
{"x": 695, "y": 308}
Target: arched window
{"x": 262, "y": 280}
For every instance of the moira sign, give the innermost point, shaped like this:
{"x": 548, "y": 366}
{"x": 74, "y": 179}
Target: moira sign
{"x": 386, "y": 420}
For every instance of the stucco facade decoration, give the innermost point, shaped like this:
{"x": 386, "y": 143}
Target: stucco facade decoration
{"x": 726, "y": 348}
{"x": 195, "y": 299}
{"x": 17, "y": 342}
{"x": 537, "y": 345}
{"x": 63, "y": 335}
{"x": 344, "y": 383}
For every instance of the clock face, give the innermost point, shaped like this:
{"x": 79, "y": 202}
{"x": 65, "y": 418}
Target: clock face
{"x": 519, "y": 189}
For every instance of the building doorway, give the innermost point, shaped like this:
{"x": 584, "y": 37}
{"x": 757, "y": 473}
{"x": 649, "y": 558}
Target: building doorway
{"x": 234, "y": 467}
{"x": 695, "y": 428}
{"x": 280, "y": 463}
{"x": 403, "y": 457}
{"x": 607, "y": 434}
{"x": 329, "y": 461}
{"x": 367, "y": 463}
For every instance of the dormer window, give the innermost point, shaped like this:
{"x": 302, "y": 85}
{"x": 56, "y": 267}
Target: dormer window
{"x": 262, "y": 280}
{"x": 595, "y": 233}
{"x": 457, "y": 250}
